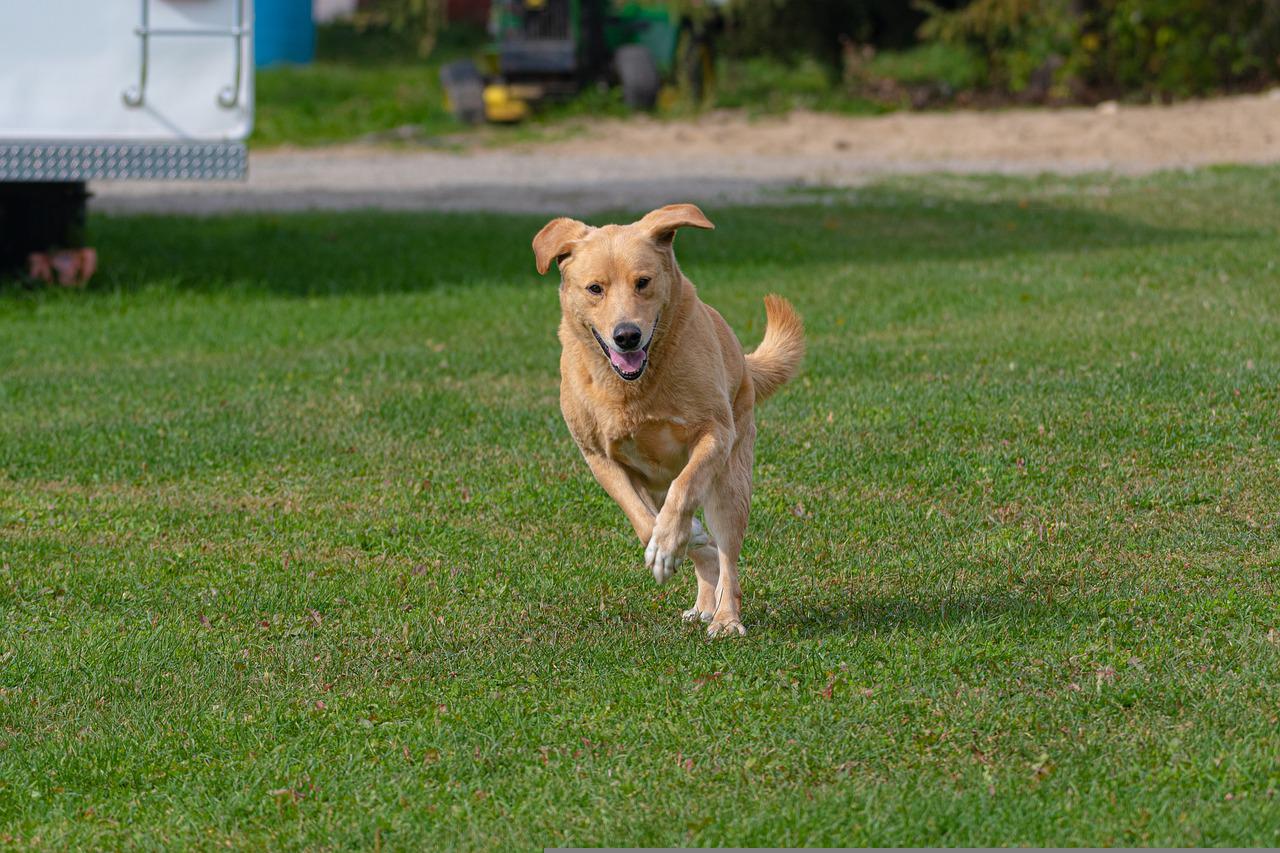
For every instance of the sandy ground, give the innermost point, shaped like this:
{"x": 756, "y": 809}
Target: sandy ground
{"x": 729, "y": 158}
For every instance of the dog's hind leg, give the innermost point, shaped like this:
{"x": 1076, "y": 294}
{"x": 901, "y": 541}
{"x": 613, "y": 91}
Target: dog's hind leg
{"x": 706, "y": 565}
{"x": 727, "y": 507}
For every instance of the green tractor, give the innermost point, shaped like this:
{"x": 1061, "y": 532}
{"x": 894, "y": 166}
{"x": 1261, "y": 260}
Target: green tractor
{"x": 548, "y": 49}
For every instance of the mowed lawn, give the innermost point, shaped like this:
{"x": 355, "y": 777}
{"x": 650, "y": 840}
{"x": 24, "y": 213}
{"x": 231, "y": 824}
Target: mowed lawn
{"x": 295, "y": 550}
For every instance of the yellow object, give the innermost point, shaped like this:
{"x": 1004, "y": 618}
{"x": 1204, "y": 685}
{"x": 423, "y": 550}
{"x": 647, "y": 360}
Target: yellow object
{"x": 534, "y": 4}
{"x": 502, "y": 104}
{"x": 668, "y": 97}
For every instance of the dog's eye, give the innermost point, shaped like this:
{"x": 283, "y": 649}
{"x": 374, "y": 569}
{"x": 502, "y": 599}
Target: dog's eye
{"x": 595, "y": 289}
{"x": 642, "y": 283}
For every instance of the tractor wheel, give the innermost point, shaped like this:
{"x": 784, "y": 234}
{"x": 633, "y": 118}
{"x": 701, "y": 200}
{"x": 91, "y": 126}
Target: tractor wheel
{"x": 639, "y": 75}
{"x": 464, "y": 86}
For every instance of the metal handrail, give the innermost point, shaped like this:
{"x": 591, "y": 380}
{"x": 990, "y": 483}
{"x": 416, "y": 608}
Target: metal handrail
{"x": 228, "y": 96}
{"x": 230, "y": 31}
{"x": 135, "y": 95}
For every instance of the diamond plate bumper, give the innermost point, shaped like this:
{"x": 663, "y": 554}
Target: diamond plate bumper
{"x": 83, "y": 161}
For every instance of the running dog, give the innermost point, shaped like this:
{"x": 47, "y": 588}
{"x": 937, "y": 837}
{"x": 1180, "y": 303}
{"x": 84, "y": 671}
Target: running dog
{"x": 660, "y": 397}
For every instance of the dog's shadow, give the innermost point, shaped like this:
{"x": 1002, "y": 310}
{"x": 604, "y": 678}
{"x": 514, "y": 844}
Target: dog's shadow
{"x": 886, "y": 614}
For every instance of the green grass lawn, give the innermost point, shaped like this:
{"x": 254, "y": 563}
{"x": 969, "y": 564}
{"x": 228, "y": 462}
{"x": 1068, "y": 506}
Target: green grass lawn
{"x": 399, "y": 99}
{"x": 295, "y": 550}
{"x": 362, "y": 85}
{"x": 336, "y": 102}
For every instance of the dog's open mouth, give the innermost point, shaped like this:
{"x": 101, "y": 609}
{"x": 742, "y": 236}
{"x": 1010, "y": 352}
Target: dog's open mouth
{"x": 628, "y": 365}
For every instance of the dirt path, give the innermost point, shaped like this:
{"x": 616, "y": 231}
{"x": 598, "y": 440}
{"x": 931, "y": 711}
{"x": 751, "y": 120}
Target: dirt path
{"x": 726, "y": 158}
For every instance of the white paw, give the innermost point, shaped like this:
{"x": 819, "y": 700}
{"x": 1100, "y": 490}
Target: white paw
{"x": 693, "y": 614}
{"x": 726, "y": 628}
{"x": 668, "y": 545}
{"x": 661, "y": 562}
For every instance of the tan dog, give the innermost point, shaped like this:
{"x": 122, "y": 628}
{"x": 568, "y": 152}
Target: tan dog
{"x": 659, "y": 396}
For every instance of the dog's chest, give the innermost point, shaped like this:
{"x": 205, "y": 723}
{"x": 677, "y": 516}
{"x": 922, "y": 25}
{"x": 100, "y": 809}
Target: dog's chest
{"x": 656, "y": 451}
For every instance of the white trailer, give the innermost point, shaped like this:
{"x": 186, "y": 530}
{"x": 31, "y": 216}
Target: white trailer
{"x": 117, "y": 89}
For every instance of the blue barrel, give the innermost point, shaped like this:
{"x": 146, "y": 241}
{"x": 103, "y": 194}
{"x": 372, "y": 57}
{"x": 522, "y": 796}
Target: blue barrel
{"x": 283, "y": 32}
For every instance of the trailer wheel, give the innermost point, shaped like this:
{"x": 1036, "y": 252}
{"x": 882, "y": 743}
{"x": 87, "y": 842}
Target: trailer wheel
{"x": 464, "y": 86}
{"x": 638, "y": 73}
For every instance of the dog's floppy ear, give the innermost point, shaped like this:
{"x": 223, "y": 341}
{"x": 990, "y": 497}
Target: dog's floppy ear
{"x": 663, "y": 222}
{"x": 552, "y": 243}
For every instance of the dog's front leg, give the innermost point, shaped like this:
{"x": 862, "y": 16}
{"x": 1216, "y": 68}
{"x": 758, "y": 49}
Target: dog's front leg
{"x": 640, "y": 511}
{"x": 674, "y": 525}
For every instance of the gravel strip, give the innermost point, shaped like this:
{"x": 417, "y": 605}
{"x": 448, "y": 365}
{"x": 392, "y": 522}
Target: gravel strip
{"x": 724, "y": 158}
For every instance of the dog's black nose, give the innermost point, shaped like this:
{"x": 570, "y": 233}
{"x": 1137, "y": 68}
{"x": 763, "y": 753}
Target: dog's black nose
{"x": 626, "y": 336}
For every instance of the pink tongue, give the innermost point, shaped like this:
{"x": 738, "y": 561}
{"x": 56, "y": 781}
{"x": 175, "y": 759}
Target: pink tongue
{"x": 627, "y": 362}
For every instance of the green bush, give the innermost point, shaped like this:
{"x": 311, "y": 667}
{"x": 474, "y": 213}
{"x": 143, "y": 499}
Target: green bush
{"x": 1109, "y": 47}
{"x": 1183, "y": 47}
{"x": 1018, "y": 37}
{"x": 418, "y": 21}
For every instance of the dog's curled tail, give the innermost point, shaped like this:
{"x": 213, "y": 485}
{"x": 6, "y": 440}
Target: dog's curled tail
{"x": 776, "y": 360}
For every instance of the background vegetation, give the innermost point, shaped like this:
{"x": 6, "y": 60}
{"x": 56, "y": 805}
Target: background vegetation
{"x": 1030, "y": 49}
{"x": 377, "y": 78}
{"x": 1083, "y": 48}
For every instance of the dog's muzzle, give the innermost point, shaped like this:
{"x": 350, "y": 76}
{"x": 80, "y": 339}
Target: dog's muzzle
{"x": 629, "y": 365}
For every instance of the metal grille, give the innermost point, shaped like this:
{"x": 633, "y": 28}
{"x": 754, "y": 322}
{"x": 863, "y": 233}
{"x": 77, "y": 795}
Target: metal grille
{"x": 549, "y": 22}
{"x": 81, "y": 161}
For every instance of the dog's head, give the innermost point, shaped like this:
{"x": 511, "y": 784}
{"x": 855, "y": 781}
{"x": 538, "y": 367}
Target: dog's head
{"x": 616, "y": 280}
